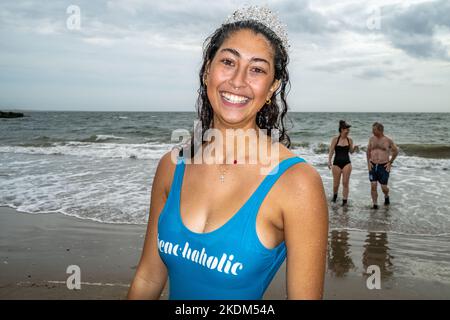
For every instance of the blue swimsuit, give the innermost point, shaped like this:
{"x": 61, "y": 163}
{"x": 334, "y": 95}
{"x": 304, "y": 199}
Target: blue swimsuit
{"x": 226, "y": 263}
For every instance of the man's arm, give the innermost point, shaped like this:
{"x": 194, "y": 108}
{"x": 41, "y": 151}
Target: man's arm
{"x": 369, "y": 150}
{"x": 394, "y": 150}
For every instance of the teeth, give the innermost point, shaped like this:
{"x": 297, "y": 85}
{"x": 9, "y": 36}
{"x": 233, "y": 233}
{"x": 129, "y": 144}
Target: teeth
{"x": 234, "y": 98}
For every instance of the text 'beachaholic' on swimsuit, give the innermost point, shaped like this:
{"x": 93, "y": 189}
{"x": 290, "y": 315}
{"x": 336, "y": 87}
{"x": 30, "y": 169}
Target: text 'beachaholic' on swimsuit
{"x": 226, "y": 263}
{"x": 341, "y": 158}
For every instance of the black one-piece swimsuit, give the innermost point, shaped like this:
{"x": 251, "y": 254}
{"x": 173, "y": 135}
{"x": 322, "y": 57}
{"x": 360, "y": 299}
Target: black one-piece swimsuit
{"x": 341, "y": 158}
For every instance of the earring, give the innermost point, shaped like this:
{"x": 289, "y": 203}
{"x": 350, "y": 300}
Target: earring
{"x": 268, "y": 101}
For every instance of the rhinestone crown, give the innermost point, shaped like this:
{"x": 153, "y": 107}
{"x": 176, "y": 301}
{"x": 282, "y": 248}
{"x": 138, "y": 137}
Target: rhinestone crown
{"x": 264, "y": 16}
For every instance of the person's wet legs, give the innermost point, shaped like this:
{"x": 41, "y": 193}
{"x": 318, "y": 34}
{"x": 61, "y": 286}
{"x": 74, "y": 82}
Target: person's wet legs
{"x": 336, "y": 180}
{"x": 385, "y": 190}
{"x": 346, "y": 172}
{"x": 374, "y": 193}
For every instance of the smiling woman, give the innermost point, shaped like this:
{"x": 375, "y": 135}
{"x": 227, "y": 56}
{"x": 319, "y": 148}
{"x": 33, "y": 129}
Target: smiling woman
{"x": 240, "y": 81}
{"x": 225, "y": 238}
{"x": 259, "y": 70}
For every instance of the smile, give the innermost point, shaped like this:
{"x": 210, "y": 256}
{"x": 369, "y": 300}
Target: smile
{"x": 234, "y": 99}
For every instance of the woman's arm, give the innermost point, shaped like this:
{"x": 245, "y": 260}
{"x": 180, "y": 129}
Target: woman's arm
{"x": 306, "y": 233}
{"x": 352, "y": 148}
{"x": 151, "y": 273}
{"x": 331, "y": 151}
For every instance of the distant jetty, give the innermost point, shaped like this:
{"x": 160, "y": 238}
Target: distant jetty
{"x": 10, "y": 114}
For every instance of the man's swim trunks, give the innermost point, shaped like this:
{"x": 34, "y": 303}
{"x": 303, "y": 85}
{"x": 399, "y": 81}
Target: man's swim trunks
{"x": 379, "y": 173}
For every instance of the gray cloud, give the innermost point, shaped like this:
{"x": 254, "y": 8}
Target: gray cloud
{"x": 363, "y": 68}
{"x": 413, "y": 29}
{"x": 301, "y": 18}
{"x": 371, "y": 73}
{"x": 340, "y": 65}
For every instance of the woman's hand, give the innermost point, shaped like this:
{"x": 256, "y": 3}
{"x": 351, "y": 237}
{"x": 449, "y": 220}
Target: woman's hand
{"x": 329, "y": 165}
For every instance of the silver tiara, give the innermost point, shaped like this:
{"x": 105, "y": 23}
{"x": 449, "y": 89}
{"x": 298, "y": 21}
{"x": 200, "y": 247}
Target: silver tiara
{"x": 264, "y": 16}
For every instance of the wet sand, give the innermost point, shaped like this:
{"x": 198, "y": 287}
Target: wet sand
{"x": 36, "y": 249}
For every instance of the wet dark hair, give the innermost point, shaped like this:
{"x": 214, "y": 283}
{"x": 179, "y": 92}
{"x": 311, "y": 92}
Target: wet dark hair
{"x": 270, "y": 116}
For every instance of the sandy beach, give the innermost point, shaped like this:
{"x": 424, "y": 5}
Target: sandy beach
{"x": 36, "y": 250}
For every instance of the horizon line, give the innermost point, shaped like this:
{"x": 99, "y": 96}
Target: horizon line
{"x": 194, "y": 111}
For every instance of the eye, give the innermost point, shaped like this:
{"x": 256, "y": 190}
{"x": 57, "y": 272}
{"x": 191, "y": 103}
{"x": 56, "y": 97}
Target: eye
{"x": 258, "y": 70}
{"x": 227, "y": 62}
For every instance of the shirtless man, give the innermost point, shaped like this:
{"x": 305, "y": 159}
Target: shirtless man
{"x": 378, "y": 162}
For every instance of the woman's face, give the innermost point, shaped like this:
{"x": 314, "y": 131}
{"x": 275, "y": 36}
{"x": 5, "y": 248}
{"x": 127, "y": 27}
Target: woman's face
{"x": 240, "y": 78}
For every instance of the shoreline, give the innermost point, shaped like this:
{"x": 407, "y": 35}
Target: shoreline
{"x": 36, "y": 250}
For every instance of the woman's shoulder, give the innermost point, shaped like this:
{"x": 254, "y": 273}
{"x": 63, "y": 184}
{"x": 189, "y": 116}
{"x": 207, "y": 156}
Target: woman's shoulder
{"x": 165, "y": 170}
{"x": 299, "y": 187}
{"x": 300, "y": 175}
{"x": 297, "y": 173}
{"x": 168, "y": 161}
{"x": 299, "y": 193}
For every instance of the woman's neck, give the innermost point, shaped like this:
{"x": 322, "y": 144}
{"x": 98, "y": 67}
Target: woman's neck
{"x": 233, "y": 144}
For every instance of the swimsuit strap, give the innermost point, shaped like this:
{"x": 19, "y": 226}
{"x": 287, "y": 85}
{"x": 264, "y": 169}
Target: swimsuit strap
{"x": 259, "y": 195}
{"x": 177, "y": 177}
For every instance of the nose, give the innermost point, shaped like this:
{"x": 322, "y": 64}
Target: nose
{"x": 238, "y": 79}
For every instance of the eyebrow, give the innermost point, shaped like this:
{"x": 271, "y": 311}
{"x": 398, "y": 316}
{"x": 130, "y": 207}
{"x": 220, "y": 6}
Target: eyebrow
{"x": 237, "y": 54}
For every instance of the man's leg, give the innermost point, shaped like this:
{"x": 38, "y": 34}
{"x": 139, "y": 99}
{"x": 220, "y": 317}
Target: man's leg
{"x": 374, "y": 193}
{"x": 384, "y": 178}
{"x": 385, "y": 190}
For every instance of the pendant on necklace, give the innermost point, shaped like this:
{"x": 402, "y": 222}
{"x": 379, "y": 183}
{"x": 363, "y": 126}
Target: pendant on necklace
{"x": 222, "y": 175}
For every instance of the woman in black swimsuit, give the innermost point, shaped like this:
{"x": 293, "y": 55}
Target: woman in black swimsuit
{"x": 341, "y": 146}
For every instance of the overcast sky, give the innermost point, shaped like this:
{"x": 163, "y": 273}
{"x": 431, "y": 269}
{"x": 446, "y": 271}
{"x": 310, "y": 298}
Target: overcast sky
{"x": 144, "y": 55}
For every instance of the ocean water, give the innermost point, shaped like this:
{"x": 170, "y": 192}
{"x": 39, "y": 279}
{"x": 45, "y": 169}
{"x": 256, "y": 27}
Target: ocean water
{"x": 100, "y": 165}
